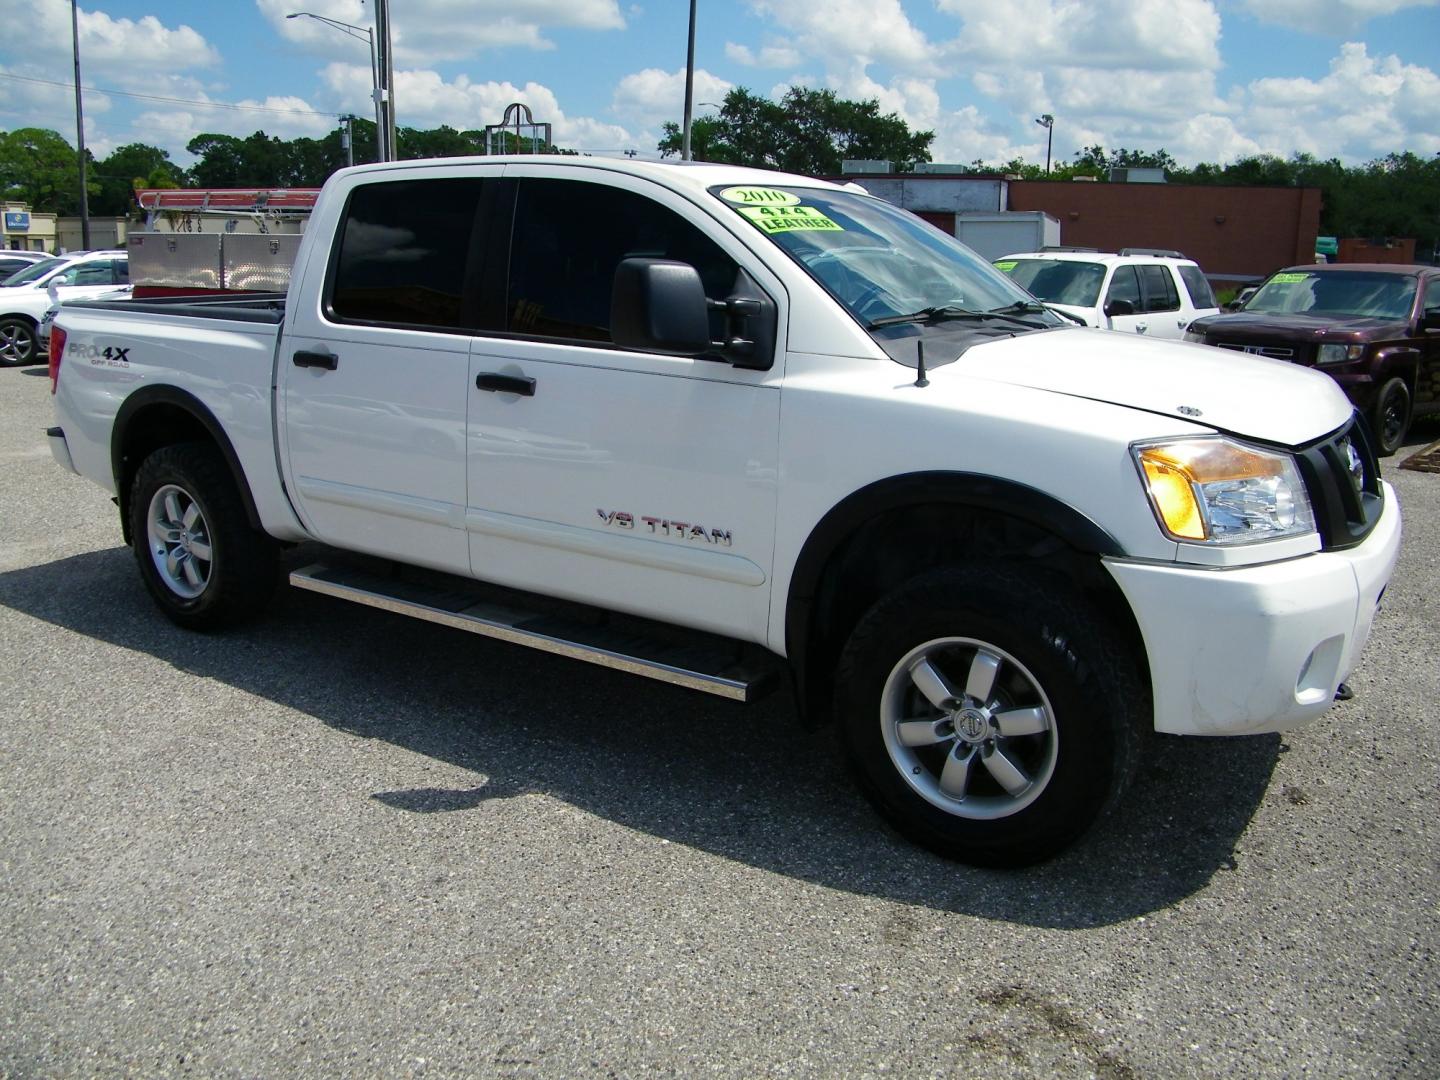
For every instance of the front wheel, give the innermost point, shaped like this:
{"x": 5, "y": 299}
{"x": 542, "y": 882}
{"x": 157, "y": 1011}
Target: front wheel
{"x": 198, "y": 556}
{"x": 17, "y": 342}
{"x": 988, "y": 716}
{"x": 1390, "y": 417}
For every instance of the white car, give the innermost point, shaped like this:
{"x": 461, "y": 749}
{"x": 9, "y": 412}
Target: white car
{"x": 26, "y": 297}
{"x": 42, "y": 332}
{"x": 12, "y": 262}
{"x": 1138, "y": 291}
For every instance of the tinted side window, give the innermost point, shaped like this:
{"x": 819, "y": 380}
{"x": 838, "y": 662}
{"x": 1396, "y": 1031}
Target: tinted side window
{"x": 1197, "y": 287}
{"x": 1432, "y": 297}
{"x": 1124, "y": 286}
{"x": 1160, "y": 294}
{"x": 403, "y": 253}
{"x": 569, "y": 237}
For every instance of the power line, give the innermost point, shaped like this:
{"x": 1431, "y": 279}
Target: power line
{"x": 168, "y": 100}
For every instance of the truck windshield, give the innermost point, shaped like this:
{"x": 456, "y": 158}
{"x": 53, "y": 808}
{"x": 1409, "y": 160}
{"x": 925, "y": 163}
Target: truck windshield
{"x": 34, "y": 272}
{"x": 1359, "y": 293}
{"x": 885, "y": 265}
{"x": 1056, "y": 281}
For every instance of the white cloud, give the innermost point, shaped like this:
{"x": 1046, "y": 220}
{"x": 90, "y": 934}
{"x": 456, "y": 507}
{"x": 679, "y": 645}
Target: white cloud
{"x": 1327, "y": 16}
{"x": 425, "y": 99}
{"x": 770, "y": 56}
{"x": 652, "y": 96}
{"x": 1150, "y": 35}
{"x": 843, "y": 33}
{"x": 424, "y": 31}
{"x": 173, "y": 128}
{"x": 1363, "y": 107}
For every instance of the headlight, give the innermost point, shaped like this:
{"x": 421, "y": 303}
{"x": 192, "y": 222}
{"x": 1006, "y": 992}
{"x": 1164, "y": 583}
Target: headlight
{"x": 1338, "y": 354}
{"x": 1218, "y": 491}
{"x": 1191, "y": 335}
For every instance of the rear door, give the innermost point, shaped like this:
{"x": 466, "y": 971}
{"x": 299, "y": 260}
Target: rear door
{"x": 374, "y": 369}
{"x": 1161, "y": 305}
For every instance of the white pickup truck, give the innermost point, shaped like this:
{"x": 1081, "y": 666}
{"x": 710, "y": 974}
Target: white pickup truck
{"x": 713, "y": 425}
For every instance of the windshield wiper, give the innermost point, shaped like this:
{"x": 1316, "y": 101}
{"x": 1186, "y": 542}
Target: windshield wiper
{"x": 1035, "y": 307}
{"x": 947, "y": 313}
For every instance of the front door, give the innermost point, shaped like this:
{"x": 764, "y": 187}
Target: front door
{"x": 635, "y": 481}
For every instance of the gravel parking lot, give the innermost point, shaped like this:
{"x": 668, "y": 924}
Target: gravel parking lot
{"x": 341, "y": 841}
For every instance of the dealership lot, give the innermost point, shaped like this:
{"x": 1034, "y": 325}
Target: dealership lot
{"x": 344, "y": 841}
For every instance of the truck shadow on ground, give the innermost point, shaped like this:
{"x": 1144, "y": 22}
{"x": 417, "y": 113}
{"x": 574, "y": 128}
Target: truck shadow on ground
{"x": 746, "y": 783}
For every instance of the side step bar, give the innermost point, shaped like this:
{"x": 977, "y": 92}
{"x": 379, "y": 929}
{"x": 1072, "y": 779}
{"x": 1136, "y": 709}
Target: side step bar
{"x": 715, "y": 665}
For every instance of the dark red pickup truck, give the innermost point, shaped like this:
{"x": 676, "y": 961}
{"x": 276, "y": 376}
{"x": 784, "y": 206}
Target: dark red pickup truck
{"x": 1374, "y": 328}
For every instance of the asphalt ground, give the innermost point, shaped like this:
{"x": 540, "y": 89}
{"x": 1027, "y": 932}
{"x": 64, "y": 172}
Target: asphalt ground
{"x": 341, "y": 842}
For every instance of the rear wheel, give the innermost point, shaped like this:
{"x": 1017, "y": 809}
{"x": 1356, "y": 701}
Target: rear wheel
{"x": 989, "y": 716}
{"x": 1390, "y": 418}
{"x": 17, "y": 342}
{"x": 202, "y": 562}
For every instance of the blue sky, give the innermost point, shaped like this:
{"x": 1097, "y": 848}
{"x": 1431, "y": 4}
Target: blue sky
{"x": 1208, "y": 80}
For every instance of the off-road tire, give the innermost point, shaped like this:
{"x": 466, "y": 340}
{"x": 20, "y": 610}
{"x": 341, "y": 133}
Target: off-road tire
{"x": 1056, "y": 662}
{"x": 185, "y": 509}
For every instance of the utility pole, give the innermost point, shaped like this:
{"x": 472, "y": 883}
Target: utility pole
{"x": 80, "y": 131}
{"x": 689, "y": 86}
{"x": 347, "y": 139}
{"x": 385, "y": 78}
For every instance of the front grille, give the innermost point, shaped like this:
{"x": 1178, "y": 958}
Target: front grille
{"x": 1344, "y": 488}
{"x": 1275, "y": 352}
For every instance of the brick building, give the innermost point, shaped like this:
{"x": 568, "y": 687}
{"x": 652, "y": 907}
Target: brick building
{"x": 1234, "y": 233}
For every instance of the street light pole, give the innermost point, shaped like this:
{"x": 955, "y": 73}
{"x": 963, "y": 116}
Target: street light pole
{"x": 80, "y": 131}
{"x": 364, "y": 33}
{"x": 1047, "y": 121}
{"x": 689, "y": 86}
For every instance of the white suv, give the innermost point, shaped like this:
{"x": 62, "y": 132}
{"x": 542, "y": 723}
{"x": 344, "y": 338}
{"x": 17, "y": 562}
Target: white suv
{"x": 1138, "y": 291}
{"x": 26, "y": 297}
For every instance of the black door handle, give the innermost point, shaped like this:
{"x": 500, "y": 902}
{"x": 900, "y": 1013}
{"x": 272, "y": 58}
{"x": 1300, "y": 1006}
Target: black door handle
{"x": 328, "y": 361}
{"x": 496, "y": 383}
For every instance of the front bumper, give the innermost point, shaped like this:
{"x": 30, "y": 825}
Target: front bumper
{"x": 1257, "y": 648}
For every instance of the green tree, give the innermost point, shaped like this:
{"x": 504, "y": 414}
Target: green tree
{"x": 130, "y": 166}
{"x": 808, "y": 132}
{"x": 39, "y": 167}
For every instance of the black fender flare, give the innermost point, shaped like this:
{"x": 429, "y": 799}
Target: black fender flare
{"x": 1402, "y": 360}
{"x": 915, "y": 489}
{"x": 133, "y": 408}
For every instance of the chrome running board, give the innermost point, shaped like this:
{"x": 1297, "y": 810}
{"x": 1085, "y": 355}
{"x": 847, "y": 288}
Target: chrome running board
{"x": 705, "y": 662}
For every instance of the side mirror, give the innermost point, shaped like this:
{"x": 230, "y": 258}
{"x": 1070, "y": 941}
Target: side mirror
{"x": 1230, "y": 305}
{"x": 659, "y": 305}
{"x": 1430, "y": 322}
{"x": 1119, "y": 307}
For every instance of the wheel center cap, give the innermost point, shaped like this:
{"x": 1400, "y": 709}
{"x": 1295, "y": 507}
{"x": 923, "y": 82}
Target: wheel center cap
{"x": 972, "y": 725}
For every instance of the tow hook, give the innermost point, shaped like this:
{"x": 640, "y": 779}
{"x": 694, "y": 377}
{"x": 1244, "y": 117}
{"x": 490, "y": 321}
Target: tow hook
{"x": 1343, "y": 692}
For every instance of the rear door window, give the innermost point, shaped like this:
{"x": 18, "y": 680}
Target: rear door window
{"x": 404, "y": 252}
{"x": 1159, "y": 286}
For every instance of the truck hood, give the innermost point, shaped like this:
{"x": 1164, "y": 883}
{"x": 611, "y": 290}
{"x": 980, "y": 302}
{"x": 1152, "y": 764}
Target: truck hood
{"x": 1260, "y": 327}
{"x": 1252, "y": 396}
